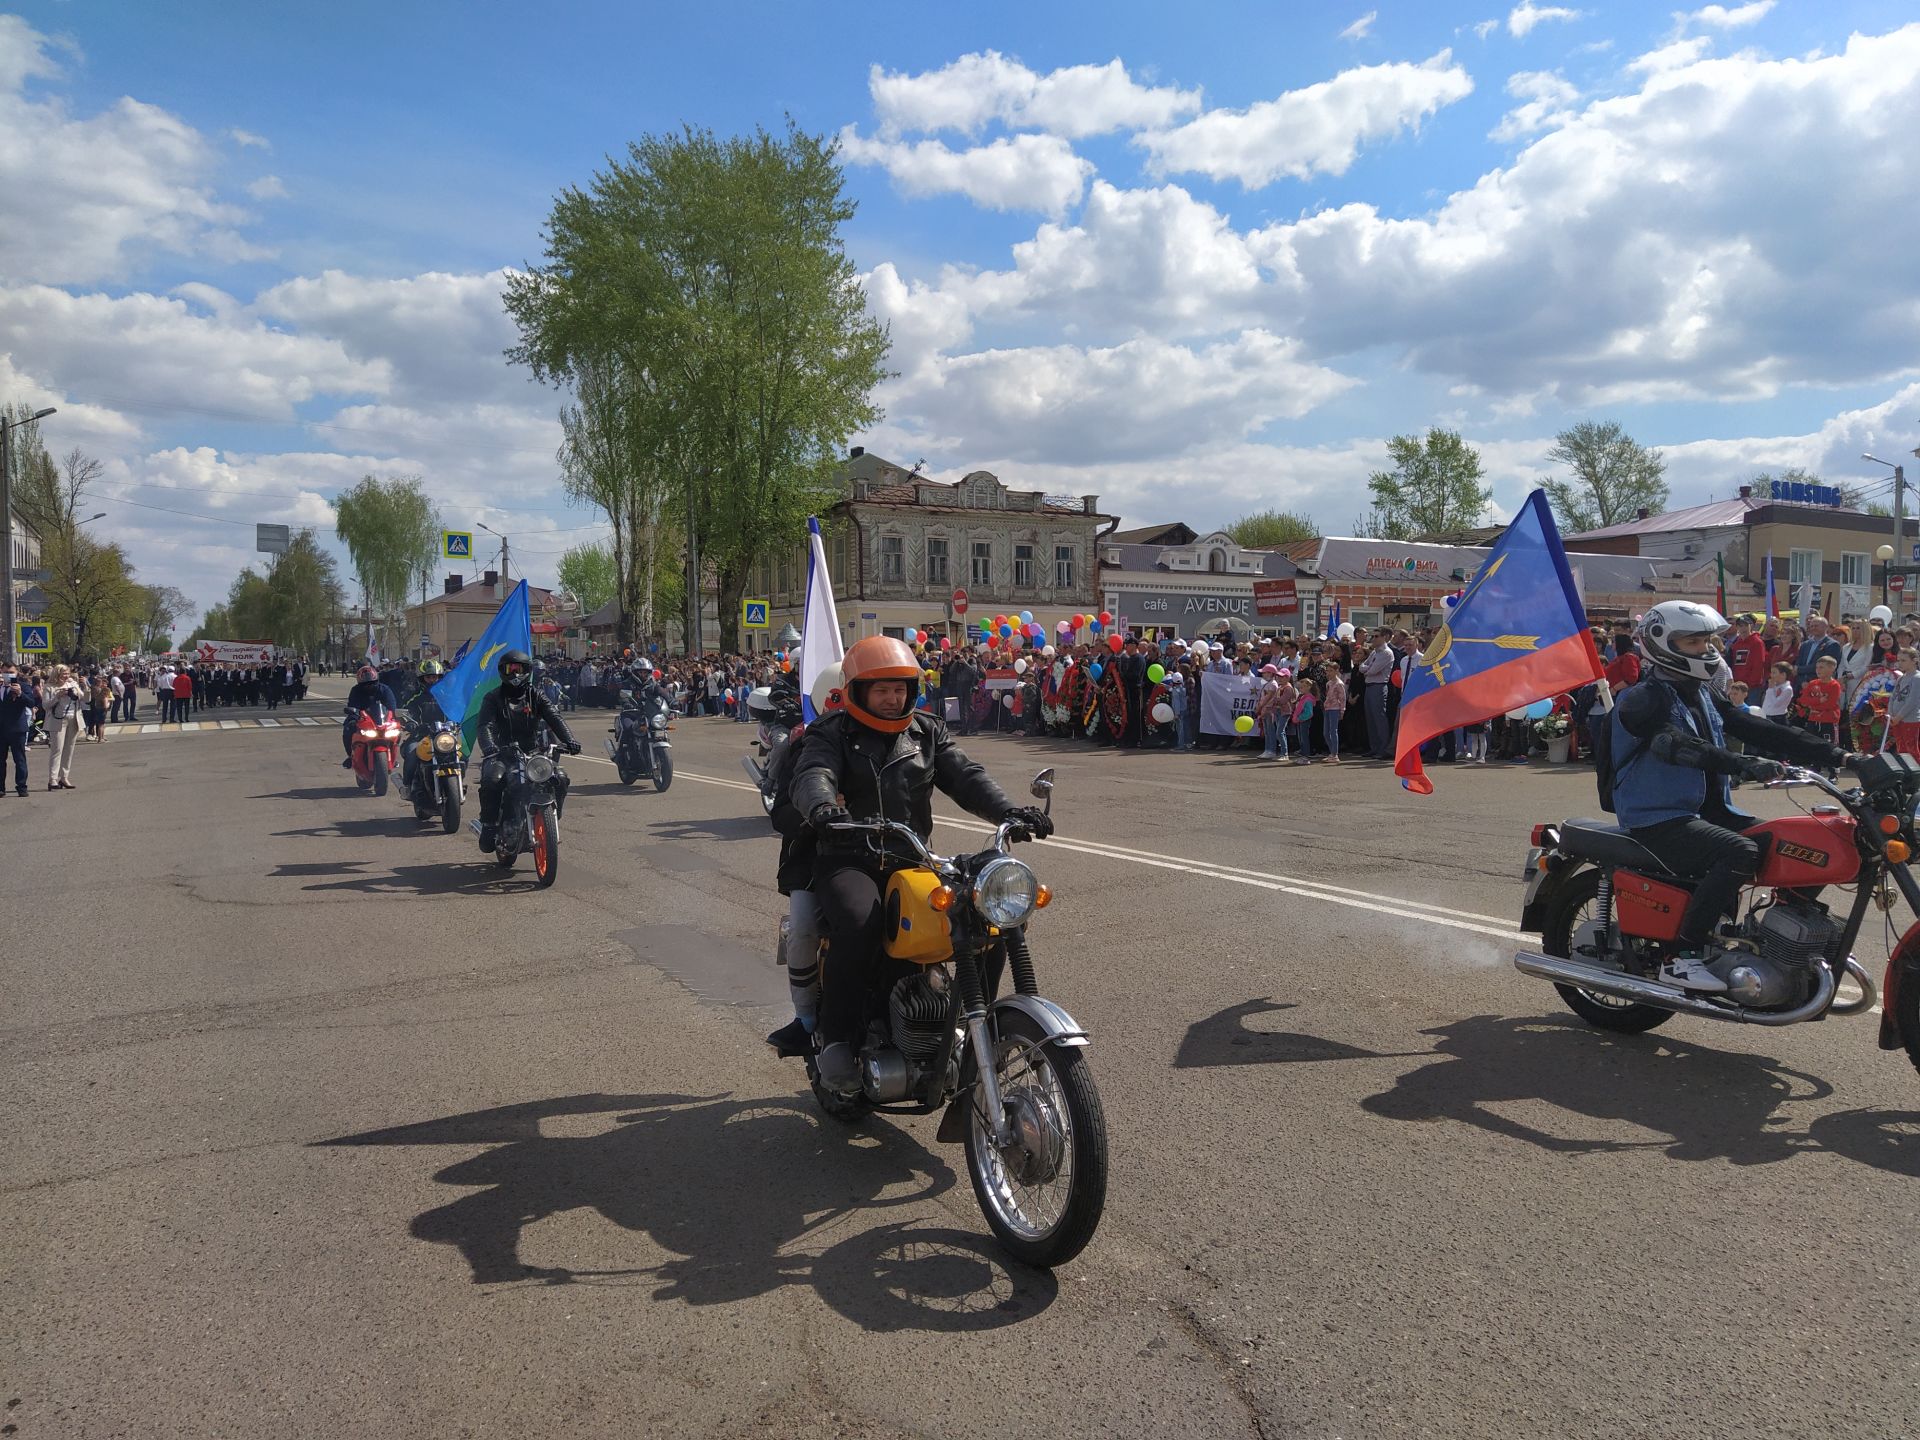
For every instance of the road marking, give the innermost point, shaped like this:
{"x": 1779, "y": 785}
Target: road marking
{"x": 149, "y": 729}
{"x": 229, "y": 724}
{"x": 308, "y": 720}
{"x": 267, "y": 724}
{"x": 190, "y": 725}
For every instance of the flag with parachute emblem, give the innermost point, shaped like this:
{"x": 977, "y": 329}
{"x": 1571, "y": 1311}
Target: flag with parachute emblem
{"x": 1516, "y": 635}
{"x": 477, "y": 676}
{"x": 820, "y": 624}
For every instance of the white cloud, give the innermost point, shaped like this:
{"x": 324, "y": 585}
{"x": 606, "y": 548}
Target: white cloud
{"x": 267, "y": 187}
{"x": 106, "y": 188}
{"x": 1360, "y": 28}
{"x": 1677, "y": 56}
{"x": 1485, "y": 28}
{"x": 249, "y": 139}
{"x": 1315, "y": 130}
{"x": 1723, "y": 17}
{"x": 1018, "y": 172}
{"x": 1522, "y": 19}
{"x": 1547, "y": 103}
{"x": 976, "y": 89}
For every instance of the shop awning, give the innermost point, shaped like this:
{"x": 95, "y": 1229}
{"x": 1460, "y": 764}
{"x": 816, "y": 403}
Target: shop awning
{"x": 543, "y": 627}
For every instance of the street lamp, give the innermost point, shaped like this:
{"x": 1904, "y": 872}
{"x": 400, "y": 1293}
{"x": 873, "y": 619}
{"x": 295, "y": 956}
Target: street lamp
{"x": 1899, "y": 524}
{"x": 100, "y": 515}
{"x": 504, "y": 574}
{"x": 7, "y": 427}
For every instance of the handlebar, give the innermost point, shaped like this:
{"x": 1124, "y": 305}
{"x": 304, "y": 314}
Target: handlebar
{"x": 879, "y": 829}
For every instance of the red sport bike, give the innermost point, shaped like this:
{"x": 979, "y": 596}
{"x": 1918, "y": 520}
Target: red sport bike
{"x": 376, "y": 748}
{"x": 1608, "y": 915}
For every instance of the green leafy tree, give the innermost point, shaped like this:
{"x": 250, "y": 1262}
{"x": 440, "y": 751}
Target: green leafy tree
{"x": 1613, "y": 476}
{"x": 37, "y": 496}
{"x": 160, "y": 608}
{"x": 608, "y": 458}
{"x": 392, "y": 533}
{"x": 304, "y": 594}
{"x": 588, "y": 571}
{"x": 1434, "y": 485}
{"x": 710, "y": 277}
{"x": 1269, "y": 529}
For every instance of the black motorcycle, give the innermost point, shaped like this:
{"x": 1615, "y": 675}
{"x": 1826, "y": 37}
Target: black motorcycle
{"x": 640, "y": 748}
{"x": 436, "y": 780}
{"x": 530, "y": 811}
{"x": 778, "y": 725}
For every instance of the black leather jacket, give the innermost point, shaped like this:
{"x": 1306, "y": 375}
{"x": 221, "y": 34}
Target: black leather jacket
{"x": 889, "y": 777}
{"x": 503, "y": 721}
{"x": 368, "y": 693}
{"x": 422, "y": 711}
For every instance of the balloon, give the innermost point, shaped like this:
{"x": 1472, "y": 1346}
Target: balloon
{"x": 1095, "y": 626}
{"x": 1096, "y": 669}
{"x": 1007, "y": 700}
{"x": 1019, "y": 667}
{"x": 1065, "y": 627}
{"x": 1106, "y": 617}
{"x": 1243, "y": 725}
{"x": 945, "y": 643}
{"x": 933, "y": 677}
{"x": 786, "y": 665}
{"x": 1026, "y": 617}
{"x": 1519, "y": 714}
{"x": 1162, "y": 713}
{"x": 1539, "y": 709}
{"x": 1049, "y": 652}
{"x": 920, "y": 636}
{"x": 1345, "y": 632}
{"x": 999, "y": 620}
{"x": 1155, "y": 674}
{"x": 1114, "y": 642}
{"x": 1079, "y": 622}
{"x": 1005, "y": 630}
{"x": 922, "y": 702}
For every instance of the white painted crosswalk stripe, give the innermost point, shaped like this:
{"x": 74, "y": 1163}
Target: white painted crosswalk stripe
{"x": 149, "y": 729}
{"x": 229, "y": 724}
{"x": 266, "y": 723}
{"x": 308, "y": 720}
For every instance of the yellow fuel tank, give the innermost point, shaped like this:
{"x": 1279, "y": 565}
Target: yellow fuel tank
{"x": 916, "y": 931}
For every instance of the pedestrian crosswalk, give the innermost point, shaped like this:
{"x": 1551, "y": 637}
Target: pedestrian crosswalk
{"x": 203, "y": 727}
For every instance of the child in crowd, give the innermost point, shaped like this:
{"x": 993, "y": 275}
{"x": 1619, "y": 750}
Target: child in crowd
{"x": 1177, "y": 702}
{"x": 1303, "y": 723}
{"x": 1334, "y": 706}
{"x": 1473, "y": 744}
{"x": 1903, "y": 710}
{"x": 1273, "y": 709}
{"x": 1777, "y": 704}
{"x": 1820, "y": 698}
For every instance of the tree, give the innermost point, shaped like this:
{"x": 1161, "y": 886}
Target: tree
{"x": 1614, "y": 477}
{"x": 609, "y": 458}
{"x": 1434, "y": 485}
{"x": 587, "y": 570}
{"x": 159, "y": 609}
{"x": 392, "y": 532}
{"x": 1270, "y": 529}
{"x": 36, "y": 479}
{"x": 90, "y": 592}
{"x": 712, "y": 275}
{"x": 292, "y": 605}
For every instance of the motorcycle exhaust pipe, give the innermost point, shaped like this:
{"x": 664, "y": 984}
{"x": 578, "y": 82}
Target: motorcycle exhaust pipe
{"x": 1869, "y": 992}
{"x": 1642, "y": 991}
{"x": 758, "y": 776}
{"x": 611, "y": 748}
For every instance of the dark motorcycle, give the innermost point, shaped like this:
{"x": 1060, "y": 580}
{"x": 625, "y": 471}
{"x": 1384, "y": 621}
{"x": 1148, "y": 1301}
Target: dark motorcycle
{"x": 1010, "y": 1070}
{"x": 1608, "y": 914}
{"x": 529, "y": 811}
{"x": 640, "y": 748}
{"x": 779, "y": 726}
{"x": 436, "y": 782}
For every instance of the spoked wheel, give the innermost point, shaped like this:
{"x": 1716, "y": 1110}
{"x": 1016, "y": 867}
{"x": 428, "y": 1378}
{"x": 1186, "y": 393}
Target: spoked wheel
{"x": 546, "y": 847}
{"x": 1575, "y": 920}
{"x": 379, "y": 763}
{"x": 662, "y": 769}
{"x": 1042, "y": 1194}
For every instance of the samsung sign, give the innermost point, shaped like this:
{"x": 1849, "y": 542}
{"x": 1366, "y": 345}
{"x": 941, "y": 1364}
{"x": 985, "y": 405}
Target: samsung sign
{"x": 1801, "y": 492}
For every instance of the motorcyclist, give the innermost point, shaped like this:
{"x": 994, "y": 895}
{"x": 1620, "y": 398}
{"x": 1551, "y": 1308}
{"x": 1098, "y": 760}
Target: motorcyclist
{"x": 421, "y": 714}
{"x": 512, "y": 715}
{"x": 800, "y": 948}
{"x": 1671, "y": 765}
{"x": 368, "y": 691}
{"x": 877, "y": 759}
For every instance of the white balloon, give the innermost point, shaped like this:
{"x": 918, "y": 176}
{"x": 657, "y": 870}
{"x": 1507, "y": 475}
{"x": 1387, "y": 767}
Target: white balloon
{"x": 1049, "y": 652}
{"x": 1519, "y": 714}
{"x": 1345, "y": 632}
{"x": 1007, "y": 700}
{"x": 1019, "y": 667}
{"x": 1162, "y": 713}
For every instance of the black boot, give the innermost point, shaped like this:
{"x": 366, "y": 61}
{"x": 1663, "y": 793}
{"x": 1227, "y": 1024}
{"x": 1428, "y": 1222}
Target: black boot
{"x": 792, "y": 1041}
{"x": 488, "y": 834}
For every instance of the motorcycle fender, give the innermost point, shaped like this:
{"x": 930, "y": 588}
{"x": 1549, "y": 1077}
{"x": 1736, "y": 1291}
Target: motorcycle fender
{"x": 1056, "y": 1026}
{"x": 1540, "y": 887}
{"x": 1903, "y": 968}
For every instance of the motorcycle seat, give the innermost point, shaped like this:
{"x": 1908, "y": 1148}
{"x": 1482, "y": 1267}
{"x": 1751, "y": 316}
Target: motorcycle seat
{"x": 1605, "y": 843}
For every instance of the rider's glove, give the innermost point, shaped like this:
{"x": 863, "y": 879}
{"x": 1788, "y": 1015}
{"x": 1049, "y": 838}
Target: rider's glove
{"x": 1031, "y": 821}
{"x": 573, "y": 747}
{"x": 1755, "y": 767}
{"x": 826, "y": 815}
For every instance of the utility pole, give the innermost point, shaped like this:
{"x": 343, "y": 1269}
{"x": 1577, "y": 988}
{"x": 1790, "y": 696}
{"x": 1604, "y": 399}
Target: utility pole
{"x": 695, "y": 630}
{"x": 1901, "y": 555}
{"x": 7, "y": 427}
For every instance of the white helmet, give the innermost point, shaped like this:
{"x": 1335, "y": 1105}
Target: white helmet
{"x": 1669, "y": 621}
{"x": 1880, "y": 615}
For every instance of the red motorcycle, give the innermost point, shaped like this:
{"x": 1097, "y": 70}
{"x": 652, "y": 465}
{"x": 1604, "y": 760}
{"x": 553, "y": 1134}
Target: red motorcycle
{"x": 376, "y": 748}
{"x": 1608, "y": 915}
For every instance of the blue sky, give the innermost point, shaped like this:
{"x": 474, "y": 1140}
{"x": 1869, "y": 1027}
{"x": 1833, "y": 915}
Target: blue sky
{"x": 1212, "y": 276}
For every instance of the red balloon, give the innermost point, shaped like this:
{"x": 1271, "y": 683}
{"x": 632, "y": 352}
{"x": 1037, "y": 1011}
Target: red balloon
{"x": 920, "y": 636}
{"x": 1106, "y": 617}
{"x": 1079, "y": 622}
{"x": 1114, "y": 642}
{"x": 945, "y": 643}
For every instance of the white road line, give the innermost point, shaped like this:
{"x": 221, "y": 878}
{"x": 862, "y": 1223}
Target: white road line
{"x": 267, "y": 724}
{"x": 190, "y": 725}
{"x": 149, "y": 729}
{"x": 308, "y": 720}
{"x": 229, "y": 724}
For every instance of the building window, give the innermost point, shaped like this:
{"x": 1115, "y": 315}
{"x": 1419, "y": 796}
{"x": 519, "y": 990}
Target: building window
{"x": 839, "y": 557}
{"x": 893, "y": 560}
{"x": 1853, "y": 568}
{"x": 766, "y": 575}
{"x": 937, "y": 572}
{"x": 1063, "y": 567}
{"x": 1803, "y": 567}
{"x": 786, "y": 575}
{"x": 983, "y": 562}
{"x": 1217, "y": 562}
{"x": 1023, "y": 567}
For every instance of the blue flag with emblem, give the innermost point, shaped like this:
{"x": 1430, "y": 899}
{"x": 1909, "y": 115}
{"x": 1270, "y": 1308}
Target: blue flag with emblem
{"x": 478, "y": 675}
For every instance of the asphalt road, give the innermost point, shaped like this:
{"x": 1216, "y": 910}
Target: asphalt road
{"x": 321, "y": 1125}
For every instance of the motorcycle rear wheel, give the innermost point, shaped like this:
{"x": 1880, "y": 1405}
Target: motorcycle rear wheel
{"x": 1040, "y": 1220}
{"x": 1906, "y": 1012}
{"x": 1575, "y": 906}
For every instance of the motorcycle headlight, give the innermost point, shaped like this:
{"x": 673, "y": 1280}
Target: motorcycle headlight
{"x": 539, "y": 769}
{"x": 445, "y": 741}
{"x": 659, "y": 722}
{"x": 1004, "y": 892}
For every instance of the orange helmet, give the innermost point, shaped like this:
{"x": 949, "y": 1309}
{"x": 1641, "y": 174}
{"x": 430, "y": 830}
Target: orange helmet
{"x": 880, "y": 657}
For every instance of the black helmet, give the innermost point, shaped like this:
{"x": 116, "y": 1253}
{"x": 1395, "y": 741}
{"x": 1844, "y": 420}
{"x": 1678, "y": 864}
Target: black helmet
{"x": 516, "y": 668}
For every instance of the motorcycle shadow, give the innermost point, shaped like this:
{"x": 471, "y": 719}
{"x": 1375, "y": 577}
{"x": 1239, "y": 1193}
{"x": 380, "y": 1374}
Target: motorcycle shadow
{"x": 479, "y": 877}
{"x": 730, "y": 827}
{"x": 738, "y": 1192}
{"x": 1709, "y": 1104}
{"x": 364, "y": 827}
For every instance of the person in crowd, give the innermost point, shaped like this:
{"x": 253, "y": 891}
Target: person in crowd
{"x": 1821, "y": 699}
{"x": 1376, "y": 673}
{"x": 1747, "y": 655}
{"x": 1820, "y": 641}
{"x": 1777, "y": 704}
{"x": 182, "y": 694}
{"x": 163, "y": 692}
{"x": 1302, "y": 722}
{"x": 1856, "y": 658}
{"x": 1903, "y": 708}
{"x": 99, "y": 703}
{"x": 65, "y": 702}
{"x": 1333, "y": 707}
{"x": 130, "y": 684}
{"x": 1272, "y": 711}
{"x": 19, "y": 698}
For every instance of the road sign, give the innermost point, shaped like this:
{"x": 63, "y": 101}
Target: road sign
{"x": 271, "y": 539}
{"x": 754, "y": 614}
{"x": 1916, "y": 554}
{"x": 457, "y": 544}
{"x": 31, "y": 639}
{"x": 1896, "y": 583}
{"x": 959, "y": 602}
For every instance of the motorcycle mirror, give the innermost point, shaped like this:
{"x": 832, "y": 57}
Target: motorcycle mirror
{"x": 1043, "y": 789}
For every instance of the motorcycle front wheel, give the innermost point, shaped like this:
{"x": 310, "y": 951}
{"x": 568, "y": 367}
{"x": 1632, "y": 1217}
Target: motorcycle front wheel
{"x": 1576, "y": 906}
{"x": 662, "y": 769}
{"x": 450, "y": 808}
{"x": 1044, "y": 1193}
{"x": 546, "y": 847}
{"x": 378, "y": 761}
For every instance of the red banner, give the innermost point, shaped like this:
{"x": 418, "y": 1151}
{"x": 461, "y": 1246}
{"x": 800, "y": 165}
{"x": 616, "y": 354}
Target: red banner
{"x": 1275, "y": 597}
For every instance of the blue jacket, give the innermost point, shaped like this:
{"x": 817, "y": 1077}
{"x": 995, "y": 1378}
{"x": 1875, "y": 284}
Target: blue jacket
{"x": 1648, "y": 789}
{"x": 18, "y": 701}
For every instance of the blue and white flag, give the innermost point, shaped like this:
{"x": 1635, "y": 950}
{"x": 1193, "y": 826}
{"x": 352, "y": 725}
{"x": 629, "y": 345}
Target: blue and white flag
{"x": 460, "y": 692}
{"x": 820, "y": 624}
